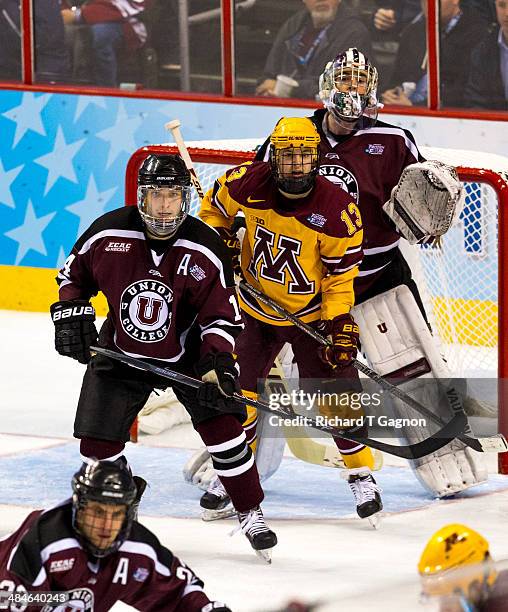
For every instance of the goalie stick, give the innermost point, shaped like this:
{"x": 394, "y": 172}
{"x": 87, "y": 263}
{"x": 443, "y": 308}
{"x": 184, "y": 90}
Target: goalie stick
{"x": 493, "y": 444}
{"x": 409, "y": 451}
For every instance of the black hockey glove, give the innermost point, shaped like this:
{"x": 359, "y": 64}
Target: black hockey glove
{"x": 218, "y": 372}
{"x": 215, "y": 606}
{"x": 75, "y": 329}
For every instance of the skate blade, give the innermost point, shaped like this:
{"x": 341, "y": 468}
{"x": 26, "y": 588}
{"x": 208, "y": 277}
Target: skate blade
{"x": 265, "y": 555}
{"x": 375, "y": 520}
{"x": 217, "y": 515}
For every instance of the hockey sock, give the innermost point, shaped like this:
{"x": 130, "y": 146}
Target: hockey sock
{"x": 233, "y": 460}
{"x": 92, "y": 448}
{"x": 358, "y": 458}
{"x": 250, "y": 423}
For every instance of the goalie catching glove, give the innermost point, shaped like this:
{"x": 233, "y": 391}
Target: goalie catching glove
{"x": 218, "y": 372}
{"x": 75, "y": 329}
{"x": 343, "y": 335}
{"x": 426, "y": 202}
{"x": 233, "y": 245}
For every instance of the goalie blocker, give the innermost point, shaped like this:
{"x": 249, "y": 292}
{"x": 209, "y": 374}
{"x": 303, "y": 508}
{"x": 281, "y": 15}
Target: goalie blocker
{"x": 398, "y": 342}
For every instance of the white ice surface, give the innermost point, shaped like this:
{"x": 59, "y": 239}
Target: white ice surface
{"x": 316, "y": 559}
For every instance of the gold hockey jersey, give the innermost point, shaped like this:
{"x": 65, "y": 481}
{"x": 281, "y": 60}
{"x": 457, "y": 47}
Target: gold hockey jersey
{"x": 303, "y": 253}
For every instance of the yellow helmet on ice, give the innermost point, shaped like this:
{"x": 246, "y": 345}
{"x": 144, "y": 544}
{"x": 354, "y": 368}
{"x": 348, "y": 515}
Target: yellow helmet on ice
{"x": 294, "y": 154}
{"x": 456, "y": 560}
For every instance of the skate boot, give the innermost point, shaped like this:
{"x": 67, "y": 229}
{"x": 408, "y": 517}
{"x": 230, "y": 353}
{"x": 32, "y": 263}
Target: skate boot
{"x": 261, "y": 538}
{"x": 366, "y": 492}
{"x": 216, "y": 503}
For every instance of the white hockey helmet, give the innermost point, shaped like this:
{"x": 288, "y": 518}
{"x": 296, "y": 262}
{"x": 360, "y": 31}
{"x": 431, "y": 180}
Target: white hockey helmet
{"x": 348, "y": 88}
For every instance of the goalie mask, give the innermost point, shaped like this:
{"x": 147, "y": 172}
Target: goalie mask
{"x": 294, "y": 155}
{"x": 164, "y": 191}
{"x": 103, "y": 506}
{"x": 348, "y": 88}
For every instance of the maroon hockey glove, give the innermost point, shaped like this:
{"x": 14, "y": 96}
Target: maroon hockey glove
{"x": 344, "y": 335}
{"x": 75, "y": 329}
{"x": 233, "y": 244}
{"x": 220, "y": 376}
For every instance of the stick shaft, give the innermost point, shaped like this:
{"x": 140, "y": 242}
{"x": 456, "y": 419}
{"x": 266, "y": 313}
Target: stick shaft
{"x": 410, "y": 451}
{"x": 184, "y": 153}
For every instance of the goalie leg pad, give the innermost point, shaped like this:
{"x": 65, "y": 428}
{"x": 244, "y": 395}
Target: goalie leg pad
{"x": 396, "y": 339}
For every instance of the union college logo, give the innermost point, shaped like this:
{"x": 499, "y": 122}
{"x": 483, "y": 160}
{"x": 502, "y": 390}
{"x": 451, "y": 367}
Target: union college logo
{"x": 342, "y": 177}
{"x": 264, "y": 264}
{"x": 77, "y": 599}
{"x": 145, "y": 310}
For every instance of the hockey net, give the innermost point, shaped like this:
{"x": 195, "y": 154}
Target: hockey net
{"x": 462, "y": 280}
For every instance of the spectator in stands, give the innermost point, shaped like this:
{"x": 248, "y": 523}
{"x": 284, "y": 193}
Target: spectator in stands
{"x": 112, "y": 23}
{"x": 307, "y": 41}
{"x": 392, "y": 15}
{"x": 51, "y": 59}
{"x": 488, "y": 80}
{"x": 459, "y": 27}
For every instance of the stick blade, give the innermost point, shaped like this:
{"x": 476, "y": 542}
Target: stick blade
{"x": 494, "y": 444}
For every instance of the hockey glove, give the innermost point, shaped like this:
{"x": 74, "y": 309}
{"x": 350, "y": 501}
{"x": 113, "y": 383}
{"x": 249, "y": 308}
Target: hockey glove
{"x": 218, "y": 372}
{"x": 215, "y": 606}
{"x": 233, "y": 245}
{"x": 343, "y": 335}
{"x": 75, "y": 329}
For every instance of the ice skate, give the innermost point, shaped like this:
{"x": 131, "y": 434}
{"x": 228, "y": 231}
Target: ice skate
{"x": 366, "y": 493}
{"x": 261, "y": 538}
{"x": 216, "y": 503}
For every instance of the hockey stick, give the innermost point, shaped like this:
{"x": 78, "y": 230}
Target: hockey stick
{"x": 410, "y": 451}
{"x": 174, "y": 128}
{"x": 300, "y": 444}
{"x": 493, "y": 444}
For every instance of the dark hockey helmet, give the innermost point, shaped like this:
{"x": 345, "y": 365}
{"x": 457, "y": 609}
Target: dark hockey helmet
{"x": 110, "y": 484}
{"x": 164, "y": 193}
{"x": 348, "y": 88}
{"x": 294, "y": 154}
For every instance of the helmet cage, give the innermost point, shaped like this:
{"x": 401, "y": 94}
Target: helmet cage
{"x": 163, "y": 225}
{"x": 114, "y": 494}
{"x": 287, "y": 161}
{"x": 348, "y": 88}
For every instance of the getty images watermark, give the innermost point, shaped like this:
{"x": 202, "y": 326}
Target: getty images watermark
{"x": 338, "y": 402}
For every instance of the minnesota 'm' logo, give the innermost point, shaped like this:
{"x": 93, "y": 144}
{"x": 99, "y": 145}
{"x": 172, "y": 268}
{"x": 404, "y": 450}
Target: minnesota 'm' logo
{"x": 264, "y": 264}
{"x": 342, "y": 177}
{"x": 145, "y": 310}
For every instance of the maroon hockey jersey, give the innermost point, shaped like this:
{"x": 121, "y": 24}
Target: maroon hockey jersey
{"x": 157, "y": 299}
{"x": 44, "y": 555}
{"x": 368, "y": 165}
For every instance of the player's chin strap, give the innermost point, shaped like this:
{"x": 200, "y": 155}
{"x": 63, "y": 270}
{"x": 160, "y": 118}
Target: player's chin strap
{"x": 426, "y": 202}
{"x": 396, "y": 339}
{"x": 495, "y": 444}
{"x": 411, "y": 451}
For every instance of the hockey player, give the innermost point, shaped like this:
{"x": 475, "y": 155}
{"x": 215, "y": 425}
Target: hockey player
{"x": 170, "y": 290}
{"x": 302, "y": 247}
{"x": 89, "y": 552}
{"x": 374, "y": 162}
{"x": 458, "y": 573}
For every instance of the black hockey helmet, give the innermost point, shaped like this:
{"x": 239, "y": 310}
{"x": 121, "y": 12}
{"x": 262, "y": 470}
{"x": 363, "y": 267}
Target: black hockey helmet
{"x": 106, "y": 482}
{"x": 168, "y": 177}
